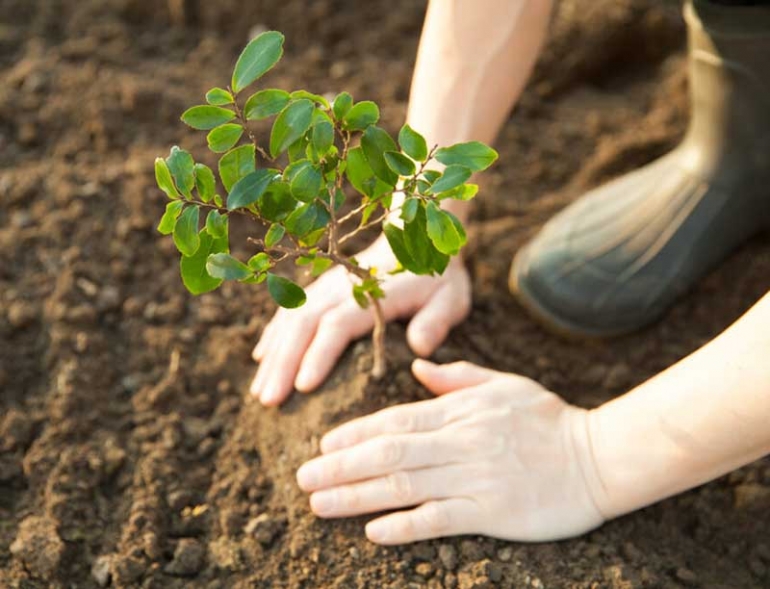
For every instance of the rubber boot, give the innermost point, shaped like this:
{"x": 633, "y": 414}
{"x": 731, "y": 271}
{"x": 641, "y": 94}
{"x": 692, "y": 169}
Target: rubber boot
{"x": 617, "y": 258}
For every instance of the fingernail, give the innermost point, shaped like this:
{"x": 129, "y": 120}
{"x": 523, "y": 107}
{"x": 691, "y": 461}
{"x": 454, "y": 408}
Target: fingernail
{"x": 269, "y": 395}
{"x": 303, "y": 380}
{"x": 377, "y": 531}
{"x": 307, "y": 477}
{"x": 322, "y": 502}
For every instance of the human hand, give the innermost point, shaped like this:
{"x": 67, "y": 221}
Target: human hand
{"x": 499, "y": 455}
{"x": 299, "y": 347}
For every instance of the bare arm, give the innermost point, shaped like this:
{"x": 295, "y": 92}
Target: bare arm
{"x": 701, "y": 418}
{"x": 473, "y": 62}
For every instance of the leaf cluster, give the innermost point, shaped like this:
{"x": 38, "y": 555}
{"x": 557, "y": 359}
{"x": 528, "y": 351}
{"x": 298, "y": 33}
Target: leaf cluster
{"x": 298, "y": 182}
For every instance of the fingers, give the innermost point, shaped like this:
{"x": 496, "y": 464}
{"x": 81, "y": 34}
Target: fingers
{"x": 262, "y": 345}
{"x": 422, "y": 416}
{"x": 275, "y": 377}
{"x": 336, "y": 329}
{"x": 446, "y": 378}
{"x": 379, "y": 456}
{"x": 446, "y": 308}
{"x": 396, "y": 490}
{"x": 434, "y": 519}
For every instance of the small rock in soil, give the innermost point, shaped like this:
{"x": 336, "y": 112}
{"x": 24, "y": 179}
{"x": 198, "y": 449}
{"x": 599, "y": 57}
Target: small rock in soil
{"x": 424, "y": 569}
{"x": 505, "y": 554}
{"x": 38, "y": 546}
{"x": 423, "y": 551}
{"x": 686, "y": 576}
{"x": 188, "y": 558}
{"x": 127, "y": 570}
{"x": 752, "y": 495}
{"x": 179, "y": 499}
{"x": 100, "y": 570}
{"x": 448, "y": 556}
{"x": 471, "y": 550}
{"x": 263, "y": 528}
{"x": 21, "y": 314}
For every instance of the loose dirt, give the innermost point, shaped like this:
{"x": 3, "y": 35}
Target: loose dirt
{"x": 128, "y": 453}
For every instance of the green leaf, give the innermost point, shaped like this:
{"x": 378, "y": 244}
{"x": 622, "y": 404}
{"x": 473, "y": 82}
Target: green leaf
{"x": 205, "y": 182}
{"x": 274, "y": 235}
{"x": 341, "y": 105}
{"x": 204, "y": 117}
{"x": 290, "y": 125}
{"x": 299, "y": 94}
{"x": 259, "y": 56}
{"x": 413, "y": 144}
{"x": 306, "y": 219}
{"x": 182, "y": 167}
{"x": 186, "y": 231}
{"x": 298, "y": 150}
{"x": 362, "y": 177}
{"x": 276, "y": 202}
{"x": 168, "y": 220}
{"x": 219, "y": 97}
{"x": 431, "y": 175}
{"x": 163, "y": 178}
{"x": 359, "y": 294}
{"x": 320, "y": 265}
{"x": 473, "y": 155}
{"x": 452, "y": 177}
{"x": 399, "y": 163}
{"x": 285, "y": 292}
{"x": 226, "y": 267}
{"x": 442, "y": 230}
{"x": 193, "y": 268}
{"x": 458, "y": 227}
{"x": 265, "y": 103}
{"x": 423, "y": 187}
{"x": 306, "y": 182}
{"x": 420, "y": 246}
{"x": 322, "y": 138}
{"x": 409, "y": 209}
{"x": 249, "y": 188}
{"x": 260, "y": 262}
{"x": 462, "y": 192}
{"x": 216, "y": 224}
{"x": 224, "y": 137}
{"x": 361, "y": 115}
{"x": 375, "y": 142}
{"x": 396, "y": 240}
{"x": 236, "y": 164}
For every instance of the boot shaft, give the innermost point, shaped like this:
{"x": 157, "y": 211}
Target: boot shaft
{"x": 729, "y": 63}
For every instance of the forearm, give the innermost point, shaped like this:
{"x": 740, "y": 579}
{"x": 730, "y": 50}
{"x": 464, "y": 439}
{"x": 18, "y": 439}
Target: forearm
{"x": 473, "y": 62}
{"x": 701, "y": 418}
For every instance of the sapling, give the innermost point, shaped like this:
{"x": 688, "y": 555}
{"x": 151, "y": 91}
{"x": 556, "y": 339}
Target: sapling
{"x": 326, "y": 173}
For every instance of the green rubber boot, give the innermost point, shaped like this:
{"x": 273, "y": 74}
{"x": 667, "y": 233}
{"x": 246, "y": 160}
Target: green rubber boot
{"x": 617, "y": 258}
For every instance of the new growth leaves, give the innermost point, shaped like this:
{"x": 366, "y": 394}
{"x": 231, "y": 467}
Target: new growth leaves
{"x": 325, "y": 172}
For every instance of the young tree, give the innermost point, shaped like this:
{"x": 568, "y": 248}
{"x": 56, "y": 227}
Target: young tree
{"x": 327, "y": 174}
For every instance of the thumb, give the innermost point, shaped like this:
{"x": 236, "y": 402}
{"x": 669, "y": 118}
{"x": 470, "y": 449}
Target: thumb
{"x": 431, "y": 324}
{"x": 441, "y": 379}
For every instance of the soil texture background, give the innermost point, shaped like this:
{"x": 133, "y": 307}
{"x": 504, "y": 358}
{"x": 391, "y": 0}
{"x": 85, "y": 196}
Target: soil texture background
{"x": 129, "y": 455}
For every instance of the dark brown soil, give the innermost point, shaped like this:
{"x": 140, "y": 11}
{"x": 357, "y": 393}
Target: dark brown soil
{"x": 128, "y": 453}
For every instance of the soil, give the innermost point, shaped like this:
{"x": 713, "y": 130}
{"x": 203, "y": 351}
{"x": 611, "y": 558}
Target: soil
{"x": 129, "y": 455}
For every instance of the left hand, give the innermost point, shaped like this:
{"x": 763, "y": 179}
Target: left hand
{"x": 499, "y": 455}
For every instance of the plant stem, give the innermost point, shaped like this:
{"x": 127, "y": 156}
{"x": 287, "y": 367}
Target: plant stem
{"x": 378, "y": 339}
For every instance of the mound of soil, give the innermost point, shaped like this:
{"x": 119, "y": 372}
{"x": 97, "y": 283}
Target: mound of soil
{"x": 129, "y": 455}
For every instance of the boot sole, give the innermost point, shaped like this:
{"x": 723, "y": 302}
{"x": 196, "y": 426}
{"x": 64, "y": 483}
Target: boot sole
{"x": 549, "y": 319}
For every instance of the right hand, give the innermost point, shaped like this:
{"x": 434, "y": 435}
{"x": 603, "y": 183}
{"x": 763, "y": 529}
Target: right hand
{"x": 299, "y": 347}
